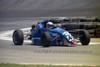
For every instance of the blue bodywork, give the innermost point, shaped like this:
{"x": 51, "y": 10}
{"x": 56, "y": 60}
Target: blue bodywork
{"x": 58, "y": 35}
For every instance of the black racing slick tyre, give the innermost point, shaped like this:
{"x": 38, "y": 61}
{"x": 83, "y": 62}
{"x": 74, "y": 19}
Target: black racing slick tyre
{"x": 85, "y": 37}
{"x": 46, "y": 39}
{"x": 18, "y": 37}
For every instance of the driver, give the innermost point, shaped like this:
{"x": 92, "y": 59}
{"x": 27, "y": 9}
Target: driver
{"x": 49, "y": 26}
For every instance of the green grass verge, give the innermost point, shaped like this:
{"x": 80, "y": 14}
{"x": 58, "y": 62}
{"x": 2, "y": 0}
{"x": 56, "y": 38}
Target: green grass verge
{"x": 37, "y": 65}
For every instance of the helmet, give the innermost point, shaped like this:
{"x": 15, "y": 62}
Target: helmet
{"x": 49, "y": 25}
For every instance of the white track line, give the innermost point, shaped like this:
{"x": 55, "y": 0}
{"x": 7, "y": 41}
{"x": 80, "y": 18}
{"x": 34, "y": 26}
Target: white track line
{"x": 7, "y": 35}
{"x": 57, "y": 64}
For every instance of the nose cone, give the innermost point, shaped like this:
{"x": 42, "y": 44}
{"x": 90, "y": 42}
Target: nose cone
{"x": 74, "y": 42}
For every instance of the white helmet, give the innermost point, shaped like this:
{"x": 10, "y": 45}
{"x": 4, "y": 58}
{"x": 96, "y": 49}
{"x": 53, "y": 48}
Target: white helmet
{"x": 50, "y": 25}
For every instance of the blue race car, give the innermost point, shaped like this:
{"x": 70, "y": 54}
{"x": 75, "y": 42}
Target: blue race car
{"x": 46, "y": 34}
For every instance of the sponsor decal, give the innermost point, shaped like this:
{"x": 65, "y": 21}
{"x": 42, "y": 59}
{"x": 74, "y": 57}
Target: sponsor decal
{"x": 65, "y": 33}
{"x": 68, "y": 36}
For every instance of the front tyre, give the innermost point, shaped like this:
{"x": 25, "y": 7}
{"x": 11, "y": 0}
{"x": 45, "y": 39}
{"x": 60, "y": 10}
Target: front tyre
{"x": 46, "y": 39}
{"x": 85, "y": 37}
{"x": 18, "y": 37}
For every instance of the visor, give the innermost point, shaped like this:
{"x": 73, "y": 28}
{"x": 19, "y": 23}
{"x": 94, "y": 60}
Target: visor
{"x": 50, "y": 26}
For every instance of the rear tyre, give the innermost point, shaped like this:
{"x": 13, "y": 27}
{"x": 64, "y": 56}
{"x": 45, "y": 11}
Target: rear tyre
{"x": 46, "y": 39}
{"x": 85, "y": 37}
{"x": 18, "y": 37}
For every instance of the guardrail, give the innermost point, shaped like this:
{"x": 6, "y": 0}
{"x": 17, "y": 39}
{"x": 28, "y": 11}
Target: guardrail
{"x": 91, "y": 24}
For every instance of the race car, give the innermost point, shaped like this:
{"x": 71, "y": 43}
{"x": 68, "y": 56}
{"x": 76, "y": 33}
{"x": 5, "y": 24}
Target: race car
{"x": 46, "y": 33}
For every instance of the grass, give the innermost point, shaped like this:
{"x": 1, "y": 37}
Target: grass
{"x": 37, "y": 65}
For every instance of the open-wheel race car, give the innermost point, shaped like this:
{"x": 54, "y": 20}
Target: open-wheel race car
{"x": 46, "y": 33}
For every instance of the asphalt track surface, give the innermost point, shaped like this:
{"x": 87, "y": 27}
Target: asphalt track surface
{"x": 34, "y": 54}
